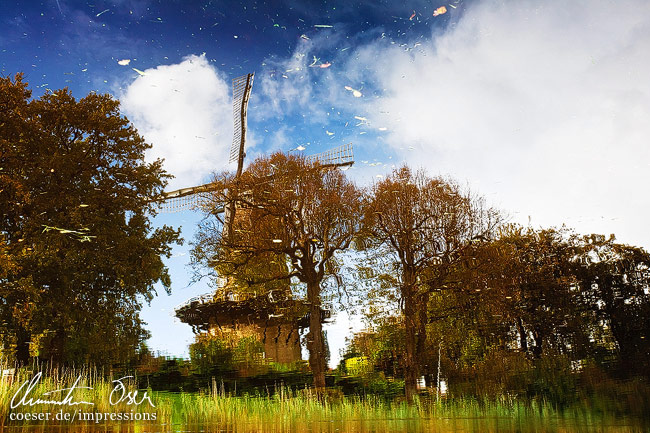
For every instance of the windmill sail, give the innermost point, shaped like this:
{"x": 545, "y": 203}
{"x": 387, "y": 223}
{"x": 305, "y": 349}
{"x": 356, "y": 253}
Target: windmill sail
{"x": 338, "y": 157}
{"x": 241, "y": 92}
{"x": 193, "y": 197}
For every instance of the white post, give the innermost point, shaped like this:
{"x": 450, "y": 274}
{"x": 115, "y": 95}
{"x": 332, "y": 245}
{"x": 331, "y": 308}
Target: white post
{"x": 438, "y": 380}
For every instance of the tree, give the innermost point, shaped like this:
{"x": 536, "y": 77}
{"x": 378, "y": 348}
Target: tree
{"x": 529, "y": 281}
{"x": 615, "y": 287}
{"x": 292, "y": 219}
{"x": 382, "y": 347}
{"x": 17, "y": 293}
{"x": 419, "y": 228}
{"x": 76, "y": 201}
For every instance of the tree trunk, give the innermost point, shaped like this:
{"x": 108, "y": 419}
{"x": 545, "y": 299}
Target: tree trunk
{"x": 315, "y": 340}
{"x": 57, "y": 347}
{"x": 539, "y": 341}
{"x": 22, "y": 346}
{"x": 421, "y": 336}
{"x": 410, "y": 319}
{"x": 522, "y": 335}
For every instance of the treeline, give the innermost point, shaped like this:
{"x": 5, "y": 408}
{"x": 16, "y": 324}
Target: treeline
{"x": 530, "y": 313}
{"x": 499, "y": 302}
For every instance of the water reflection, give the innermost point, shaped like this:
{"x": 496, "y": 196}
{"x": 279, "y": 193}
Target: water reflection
{"x": 438, "y": 425}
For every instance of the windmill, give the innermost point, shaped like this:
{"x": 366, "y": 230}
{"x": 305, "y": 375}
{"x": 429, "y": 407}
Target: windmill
{"x": 203, "y": 311}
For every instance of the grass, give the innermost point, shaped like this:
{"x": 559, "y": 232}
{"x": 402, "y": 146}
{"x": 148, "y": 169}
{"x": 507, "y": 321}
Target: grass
{"x": 290, "y": 410}
{"x": 298, "y": 411}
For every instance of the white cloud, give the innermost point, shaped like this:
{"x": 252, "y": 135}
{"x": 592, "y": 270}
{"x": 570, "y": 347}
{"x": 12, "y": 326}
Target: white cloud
{"x": 286, "y": 81}
{"x": 185, "y": 112}
{"x": 543, "y": 107}
{"x": 295, "y": 84}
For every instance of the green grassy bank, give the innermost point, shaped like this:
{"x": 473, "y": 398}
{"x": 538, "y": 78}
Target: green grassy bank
{"x": 293, "y": 410}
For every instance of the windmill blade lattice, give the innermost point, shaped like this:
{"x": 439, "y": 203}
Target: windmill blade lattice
{"x": 338, "y": 157}
{"x": 185, "y": 198}
{"x": 241, "y": 91}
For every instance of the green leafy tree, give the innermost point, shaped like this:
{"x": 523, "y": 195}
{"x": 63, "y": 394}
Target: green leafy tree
{"x": 514, "y": 318}
{"x": 382, "y": 347}
{"x": 77, "y": 198}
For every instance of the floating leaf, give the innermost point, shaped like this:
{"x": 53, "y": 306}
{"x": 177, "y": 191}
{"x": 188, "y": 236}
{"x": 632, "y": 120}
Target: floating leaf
{"x": 355, "y": 93}
{"x": 441, "y": 10}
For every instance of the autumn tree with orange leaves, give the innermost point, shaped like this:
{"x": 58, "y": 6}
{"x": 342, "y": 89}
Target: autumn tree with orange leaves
{"x": 418, "y": 229}
{"x": 292, "y": 218}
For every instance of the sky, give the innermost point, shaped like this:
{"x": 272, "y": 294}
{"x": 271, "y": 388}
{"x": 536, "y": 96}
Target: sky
{"x": 541, "y": 107}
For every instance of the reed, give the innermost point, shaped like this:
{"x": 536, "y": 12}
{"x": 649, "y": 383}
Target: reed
{"x": 283, "y": 409}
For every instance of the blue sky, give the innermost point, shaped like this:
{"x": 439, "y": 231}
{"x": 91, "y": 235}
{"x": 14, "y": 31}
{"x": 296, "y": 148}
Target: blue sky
{"x": 541, "y": 107}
